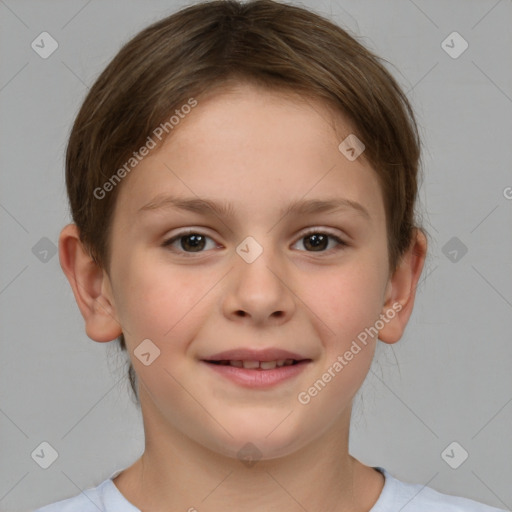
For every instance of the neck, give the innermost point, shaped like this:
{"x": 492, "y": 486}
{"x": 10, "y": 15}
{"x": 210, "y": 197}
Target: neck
{"x": 177, "y": 473}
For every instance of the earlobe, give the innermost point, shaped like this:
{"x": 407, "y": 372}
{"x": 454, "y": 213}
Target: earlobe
{"x": 87, "y": 281}
{"x": 401, "y": 290}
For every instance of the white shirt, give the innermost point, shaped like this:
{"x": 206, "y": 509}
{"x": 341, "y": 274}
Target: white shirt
{"x": 396, "y": 495}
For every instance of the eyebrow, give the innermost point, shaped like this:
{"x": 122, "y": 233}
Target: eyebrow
{"x": 208, "y": 207}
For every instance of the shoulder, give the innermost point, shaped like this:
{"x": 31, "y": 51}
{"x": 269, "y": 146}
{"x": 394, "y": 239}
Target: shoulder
{"x": 103, "y": 498}
{"x": 418, "y": 498}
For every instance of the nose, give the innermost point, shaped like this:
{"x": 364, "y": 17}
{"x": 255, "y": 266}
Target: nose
{"x": 260, "y": 292}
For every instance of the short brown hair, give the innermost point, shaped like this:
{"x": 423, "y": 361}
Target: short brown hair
{"x": 207, "y": 45}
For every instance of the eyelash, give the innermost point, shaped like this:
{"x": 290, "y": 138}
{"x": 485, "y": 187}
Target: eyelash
{"x": 341, "y": 243}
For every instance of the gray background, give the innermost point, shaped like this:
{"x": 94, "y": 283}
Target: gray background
{"x": 452, "y": 381}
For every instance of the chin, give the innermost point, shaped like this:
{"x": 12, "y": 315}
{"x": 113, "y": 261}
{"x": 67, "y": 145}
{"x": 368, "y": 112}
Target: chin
{"x": 257, "y": 438}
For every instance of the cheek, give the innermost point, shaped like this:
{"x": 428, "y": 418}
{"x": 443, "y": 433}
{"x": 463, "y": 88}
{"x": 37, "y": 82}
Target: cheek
{"x": 154, "y": 297}
{"x": 349, "y": 303}
{"x": 349, "y": 299}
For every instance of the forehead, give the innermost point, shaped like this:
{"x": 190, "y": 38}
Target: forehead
{"x": 251, "y": 146}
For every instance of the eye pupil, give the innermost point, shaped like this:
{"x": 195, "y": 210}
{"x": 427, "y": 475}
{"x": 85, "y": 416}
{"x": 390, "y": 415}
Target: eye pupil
{"x": 318, "y": 240}
{"x": 197, "y": 242}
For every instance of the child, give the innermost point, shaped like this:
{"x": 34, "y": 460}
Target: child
{"x": 285, "y": 154}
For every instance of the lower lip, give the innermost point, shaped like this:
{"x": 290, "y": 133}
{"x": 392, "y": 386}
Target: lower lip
{"x": 255, "y": 378}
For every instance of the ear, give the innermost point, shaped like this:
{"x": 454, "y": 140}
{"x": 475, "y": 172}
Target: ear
{"x": 91, "y": 287}
{"x": 401, "y": 289}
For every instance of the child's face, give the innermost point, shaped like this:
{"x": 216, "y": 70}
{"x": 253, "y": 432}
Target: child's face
{"x": 259, "y": 152}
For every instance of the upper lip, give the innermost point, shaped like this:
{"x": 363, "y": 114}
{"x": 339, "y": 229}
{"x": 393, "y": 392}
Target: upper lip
{"x": 243, "y": 354}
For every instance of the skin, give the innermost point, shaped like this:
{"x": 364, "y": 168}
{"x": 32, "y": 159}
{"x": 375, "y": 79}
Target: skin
{"x": 193, "y": 304}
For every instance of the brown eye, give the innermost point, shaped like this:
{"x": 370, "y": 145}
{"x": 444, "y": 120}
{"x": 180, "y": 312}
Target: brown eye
{"x": 318, "y": 241}
{"x": 188, "y": 242}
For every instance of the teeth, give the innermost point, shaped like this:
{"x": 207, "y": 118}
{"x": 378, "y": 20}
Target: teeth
{"x": 251, "y": 364}
{"x": 264, "y": 365}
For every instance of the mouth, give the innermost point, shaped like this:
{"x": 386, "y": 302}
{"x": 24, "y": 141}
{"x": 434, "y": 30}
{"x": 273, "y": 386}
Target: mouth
{"x": 257, "y": 368}
{"x": 257, "y": 365}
